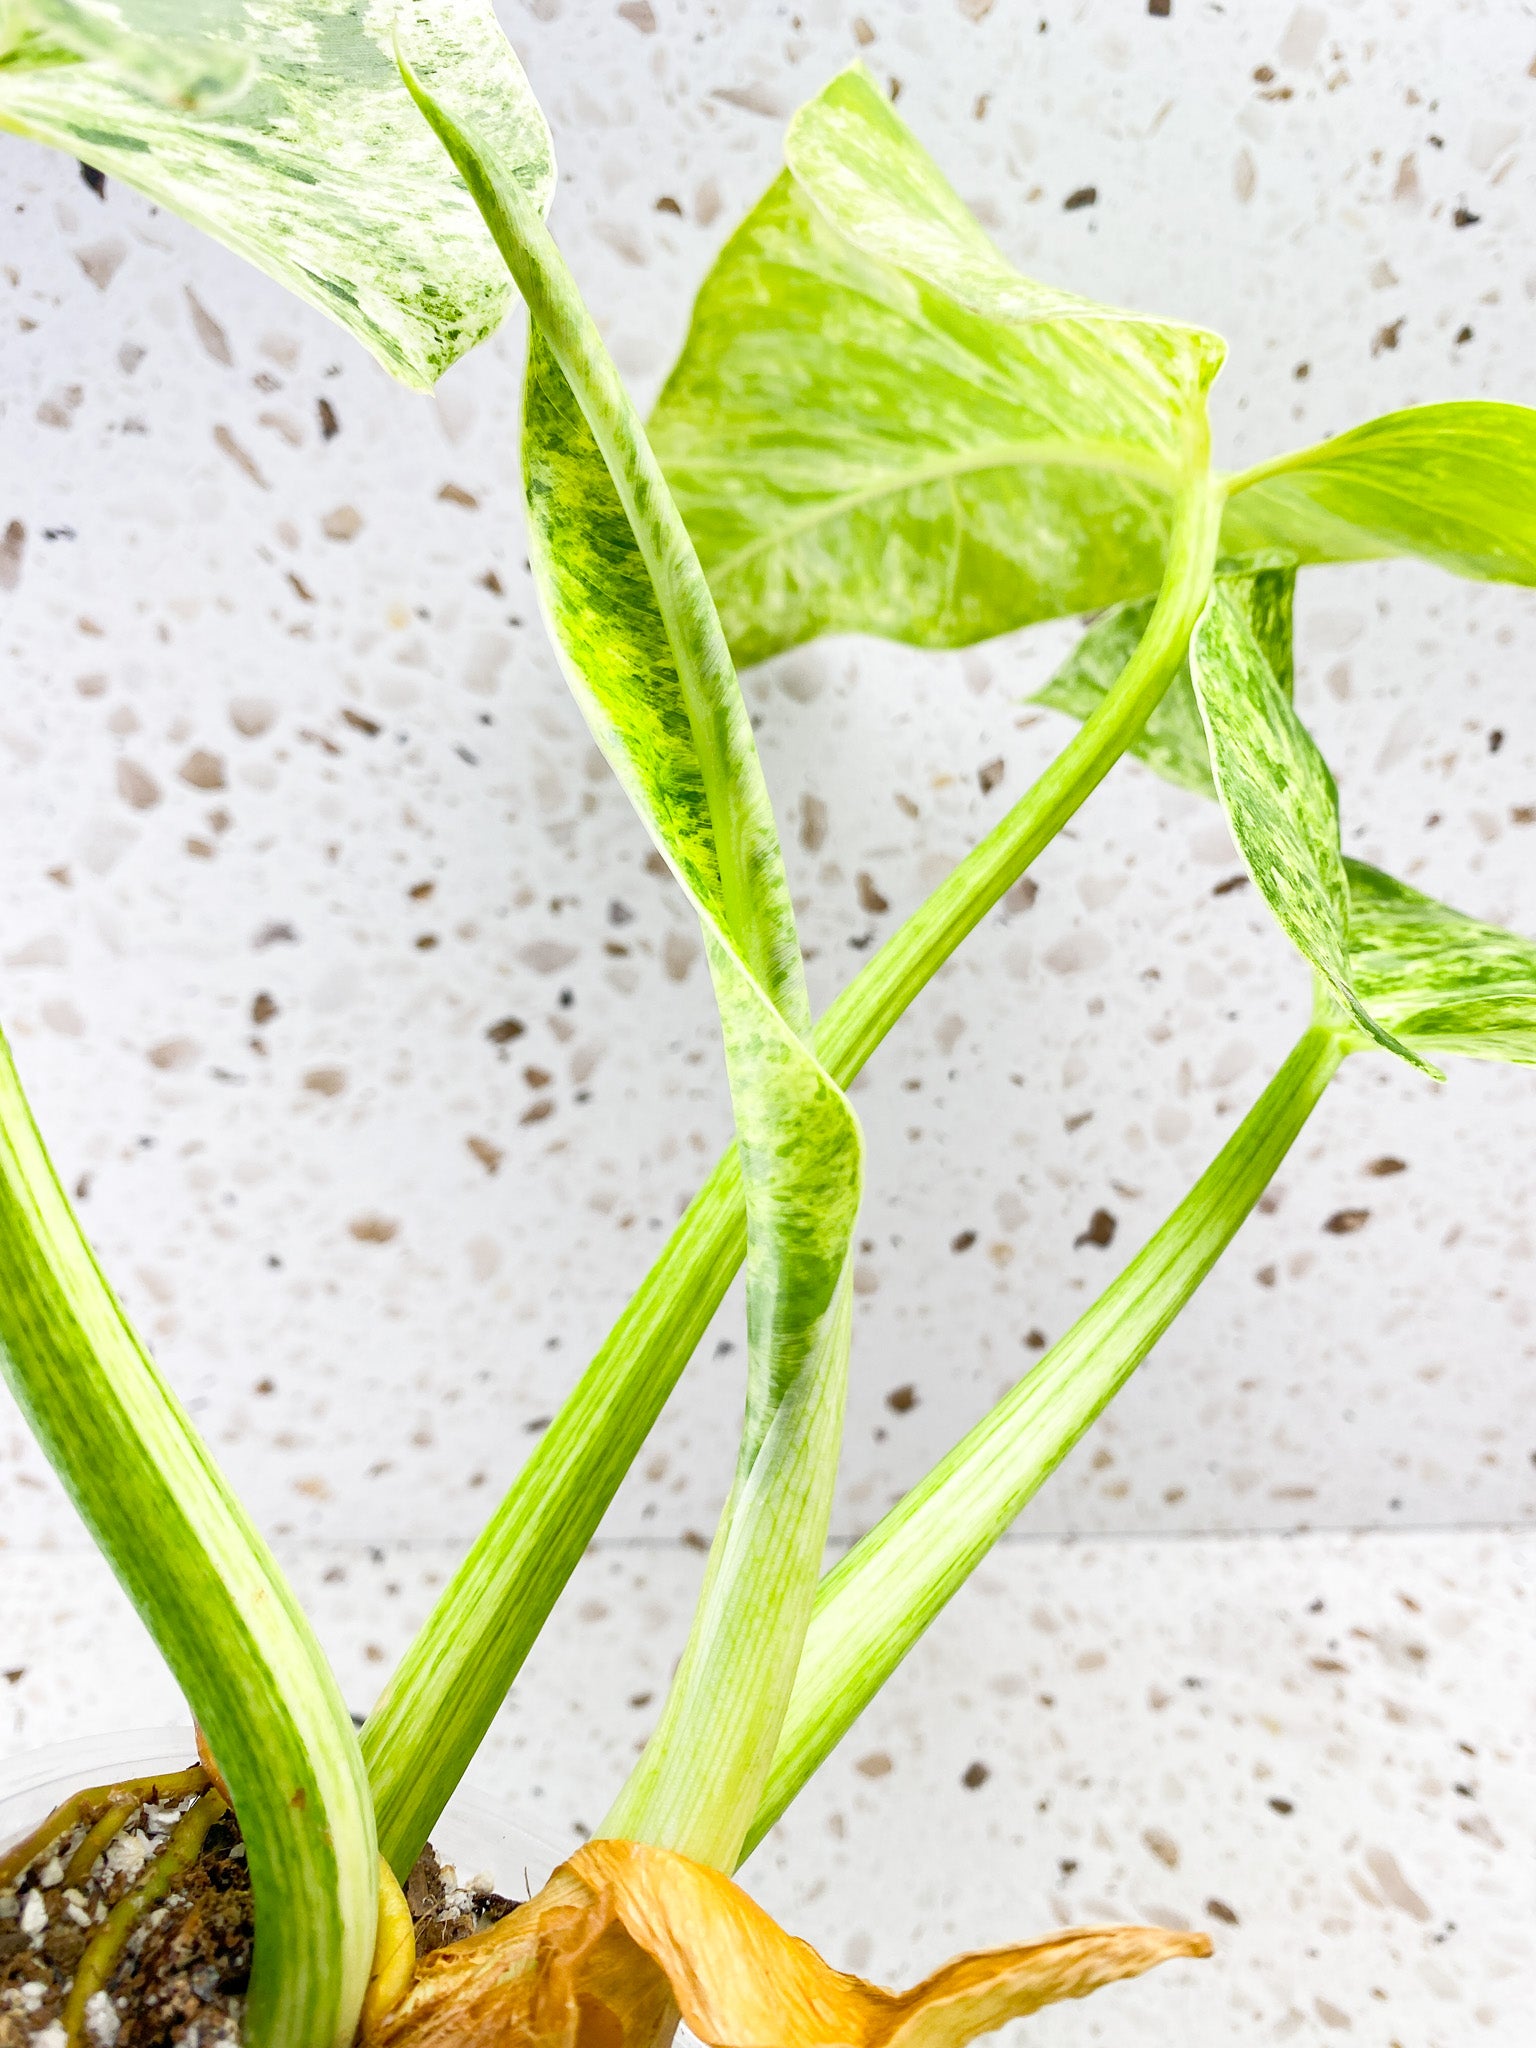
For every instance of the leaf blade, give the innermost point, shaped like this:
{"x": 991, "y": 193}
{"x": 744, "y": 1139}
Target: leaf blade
{"x": 1454, "y": 484}
{"x": 281, "y": 127}
{"x": 1278, "y": 795}
{"x": 877, "y": 425}
{"x": 1437, "y": 978}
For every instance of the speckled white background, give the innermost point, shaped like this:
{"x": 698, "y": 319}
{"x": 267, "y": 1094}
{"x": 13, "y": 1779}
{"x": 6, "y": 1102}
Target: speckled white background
{"x": 266, "y": 731}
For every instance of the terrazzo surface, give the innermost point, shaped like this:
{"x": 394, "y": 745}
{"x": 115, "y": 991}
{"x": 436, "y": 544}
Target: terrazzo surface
{"x": 1319, "y": 1748}
{"x": 299, "y": 823}
{"x": 298, "y": 813}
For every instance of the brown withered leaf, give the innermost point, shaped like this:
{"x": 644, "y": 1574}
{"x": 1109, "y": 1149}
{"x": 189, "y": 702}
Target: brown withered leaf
{"x": 624, "y": 1935}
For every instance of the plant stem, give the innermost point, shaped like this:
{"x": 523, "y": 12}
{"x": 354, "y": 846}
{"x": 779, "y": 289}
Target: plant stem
{"x": 447, "y": 1689}
{"x": 210, "y": 1592}
{"x": 873, "y": 1607}
{"x": 444, "y": 1694}
{"x": 860, "y": 1017}
{"x": 700, "y": 1777}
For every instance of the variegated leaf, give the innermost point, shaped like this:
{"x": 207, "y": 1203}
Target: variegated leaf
{"x": 282, "y": 128}
{"x": 877, "y": 424}
{"x": 1172, "y": 743}
{"x": 1279, "y": 798}
{"x": 1440, "y": 981}
{"x": 1454, "y": 484}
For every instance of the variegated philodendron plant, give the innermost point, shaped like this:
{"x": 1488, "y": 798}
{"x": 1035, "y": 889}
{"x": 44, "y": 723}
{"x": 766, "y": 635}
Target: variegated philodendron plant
{"x": 876, "y": 424}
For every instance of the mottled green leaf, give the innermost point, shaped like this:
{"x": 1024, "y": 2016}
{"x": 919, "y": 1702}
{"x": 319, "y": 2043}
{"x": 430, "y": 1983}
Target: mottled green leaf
{"x": 1430, "y": 977}
{"x": 1276, "y": 790}
{"x": 208, "y": 1590}
{"x": 1439, "y": 980}
{"x": 877, "y": 424}
{"x": 282, "y": 128}
{"x": 1454, "y": 484}
{"x": 641, "y": 645}
{"x": 1172, "y": 743}
{"x": 797, "y": 1137}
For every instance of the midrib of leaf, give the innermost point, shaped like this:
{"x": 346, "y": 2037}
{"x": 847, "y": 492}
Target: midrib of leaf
{"x": 1105, "y": 457}
{"x": 1305, "y": 463}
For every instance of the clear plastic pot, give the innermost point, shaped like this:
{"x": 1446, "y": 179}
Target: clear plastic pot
{"x": 473, "y": 1837}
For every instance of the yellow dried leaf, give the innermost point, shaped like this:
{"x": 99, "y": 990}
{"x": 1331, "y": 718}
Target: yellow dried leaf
{"x": 624, "y": 1935}
{"x": 394, "y": 1952}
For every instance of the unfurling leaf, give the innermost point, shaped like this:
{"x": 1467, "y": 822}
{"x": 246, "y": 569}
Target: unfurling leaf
{"x": 1172, "y": 742}
{"x": 283, "y": 129}
{"x": 1279, "y": 798}
{"x": 639, "y": 639}
{"x": 877, "y": 424}
{"x": 622, "y": 1933}
{"x": 1441, "y": 981}
{"x": 1454, "y": 484}
{"x": 798, "y": 1139}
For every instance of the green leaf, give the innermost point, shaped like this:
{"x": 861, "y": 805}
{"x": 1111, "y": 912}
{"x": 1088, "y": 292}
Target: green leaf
{"x": 641, "y": 646}
{"x": 1279, "y": 798}
{"x": 876, "y": 424}
{"x": 1439, "y": 980}
{"x": 283, "y": 129}
{"x": 1173, "y": 741}
{"x": 209, "y": 1592}
{"x": 874, "y": 1605}
{"x": 1454, "y": 484}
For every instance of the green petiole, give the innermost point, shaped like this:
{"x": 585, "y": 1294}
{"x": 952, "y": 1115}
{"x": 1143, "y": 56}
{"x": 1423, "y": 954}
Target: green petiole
{"x": 458, "y": 1670}
{"x": 196, "y": 1569}
{"x": 874, "y": 1605}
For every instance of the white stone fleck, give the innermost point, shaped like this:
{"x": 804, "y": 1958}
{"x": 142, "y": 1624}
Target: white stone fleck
{"x": 101, "y": 2021}
{"x": 127, "y": 1853}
